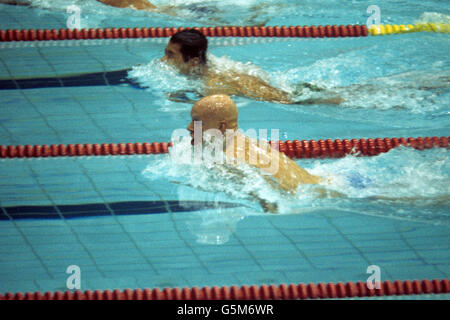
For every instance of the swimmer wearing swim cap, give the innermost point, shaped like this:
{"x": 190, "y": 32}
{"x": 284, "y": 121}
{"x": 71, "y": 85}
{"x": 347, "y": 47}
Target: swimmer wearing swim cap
{"x": 220, "y": 112}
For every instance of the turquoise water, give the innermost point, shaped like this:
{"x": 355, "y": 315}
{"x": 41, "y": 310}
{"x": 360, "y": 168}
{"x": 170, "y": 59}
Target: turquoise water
{"x": 394, "y": 86}
{"x": 53, "y": 13}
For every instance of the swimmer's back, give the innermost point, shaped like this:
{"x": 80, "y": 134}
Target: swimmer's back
{"x": 287, "y": 172}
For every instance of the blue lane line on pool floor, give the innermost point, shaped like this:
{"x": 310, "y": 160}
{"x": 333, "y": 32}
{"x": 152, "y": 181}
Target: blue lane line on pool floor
{"x": 118, "y": 77}
{"x": 101, "y": 209}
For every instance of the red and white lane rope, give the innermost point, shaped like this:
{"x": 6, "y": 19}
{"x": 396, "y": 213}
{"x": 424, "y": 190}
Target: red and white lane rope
{"x": 263, "y": 292}
{"x": 295, "y": 149}
{"x": 333, "y": 31}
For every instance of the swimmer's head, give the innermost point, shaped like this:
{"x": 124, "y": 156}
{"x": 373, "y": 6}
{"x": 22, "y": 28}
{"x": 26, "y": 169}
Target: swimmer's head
{"x": 215, "y": 112}
{"x": 186, "y": 51}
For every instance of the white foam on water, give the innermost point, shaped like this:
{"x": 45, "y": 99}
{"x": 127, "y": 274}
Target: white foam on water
{"x": 211, "y": 183}
{"x": 161, "y": 78}
{"x": 414, "y": 91}
{"x": 158, "y": 75}
{"x": 417, "y": 92}
{"x": 209, "y": 2}
{"x": 434, "y": 17}
{"x": 402, "y": 172}
{"x": 180, "y": 167}
{"x": 402, "y": 184}
{"x": 213, "y": 12}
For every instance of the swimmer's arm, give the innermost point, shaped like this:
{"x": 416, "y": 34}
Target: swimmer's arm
{"x": 141, "y": 5}
{"x": 267, "y": 206}
{"x": 181, "y": 96}
{"x": 168, "y": 9}
{"x": 234, "y": 172}
{"x": 323, "y": 193}
{"x": 245, "y": 85}
{"x": 335, "y": 100}
{"x": 258, "y": 89}
{"x": 258, "y": 13}
{"x": 134, "y": 4}
{"x": 15, "y": 3}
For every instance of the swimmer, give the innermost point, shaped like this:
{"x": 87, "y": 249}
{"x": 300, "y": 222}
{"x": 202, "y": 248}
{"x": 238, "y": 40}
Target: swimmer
{"x": 197, "y": 10}
{"x": 140, "y": 5}
{"x": 186, "y": 51}
{"x": 220, "y": 112}
{"x": 15, "y": 3}
{"x": 131, "y": 4}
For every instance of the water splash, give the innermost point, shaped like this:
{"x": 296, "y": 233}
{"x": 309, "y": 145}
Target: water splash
{"x": 212, "y": 12}
{"x": 415, "y": 91}
{"x": 205, "y": 181}
{"x": 402, "y": 184}
{"x": 363, "y": 83}
{"x": 241, "y": 182}
{"x": 434, "y": 17}
{"x": 212, "y": 226}
{"x": 418, "y": 92}
{"x": 402, "y": 172}
{"x": 161, "y": 77}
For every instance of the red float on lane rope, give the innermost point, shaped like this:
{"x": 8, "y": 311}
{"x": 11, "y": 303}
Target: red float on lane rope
{"x": 238, "y": 31}
{"x": 293, "y": 149}
{"x": 265, "y": 292}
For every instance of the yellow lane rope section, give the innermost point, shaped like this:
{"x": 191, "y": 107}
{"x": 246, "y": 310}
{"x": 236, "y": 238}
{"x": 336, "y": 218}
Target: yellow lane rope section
{"x": 384, "y": 29}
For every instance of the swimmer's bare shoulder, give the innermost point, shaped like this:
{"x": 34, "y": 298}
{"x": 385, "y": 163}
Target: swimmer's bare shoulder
{"x": 233, "y": 83}
{"x": 286, "y": 171}
{"x": 292, "y": 174}
{"x": 217, "y": 83}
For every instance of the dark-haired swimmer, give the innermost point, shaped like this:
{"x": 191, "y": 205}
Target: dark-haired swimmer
{"x": 186, "y": 51}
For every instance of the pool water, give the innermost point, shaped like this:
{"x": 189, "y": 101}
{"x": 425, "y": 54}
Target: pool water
{"x": 144, "y": 221}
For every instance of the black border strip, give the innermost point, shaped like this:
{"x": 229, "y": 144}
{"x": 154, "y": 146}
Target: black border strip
{"x": 102, "y": 209}
{"x": 111, "y": 78}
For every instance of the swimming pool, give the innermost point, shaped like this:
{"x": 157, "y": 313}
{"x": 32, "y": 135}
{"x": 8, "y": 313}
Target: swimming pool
{"x": 137, "y": 222}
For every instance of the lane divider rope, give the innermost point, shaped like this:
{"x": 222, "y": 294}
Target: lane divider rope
{"x": 245, "y": 31}
{"x": 294, "y": 149}
{"x": 333, "y": 31}
{"x": 264, "y": 292}
{"x": 387, "y": 29}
